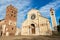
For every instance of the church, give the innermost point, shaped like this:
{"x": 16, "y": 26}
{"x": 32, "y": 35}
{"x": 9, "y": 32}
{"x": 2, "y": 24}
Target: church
{"x": 36, "y": 24}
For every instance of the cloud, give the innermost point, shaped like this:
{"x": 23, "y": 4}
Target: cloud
{"x": 45, "y": 10}
{"x": 5, "y": 1}
{"x": 23, "y": 8}
{"x": 3, "y": 11}
{"x": 21, "y": 16}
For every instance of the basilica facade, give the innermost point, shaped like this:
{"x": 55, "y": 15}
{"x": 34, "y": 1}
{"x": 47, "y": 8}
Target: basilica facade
{"x": 36, "y": 24}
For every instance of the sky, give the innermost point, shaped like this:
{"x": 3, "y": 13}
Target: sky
{"x": 24, "y": 6}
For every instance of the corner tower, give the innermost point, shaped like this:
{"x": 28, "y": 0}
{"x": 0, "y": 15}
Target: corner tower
{"x": 53, "y": 19}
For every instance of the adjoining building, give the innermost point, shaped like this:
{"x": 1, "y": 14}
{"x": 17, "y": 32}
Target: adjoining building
{"x": 1, "y": 28}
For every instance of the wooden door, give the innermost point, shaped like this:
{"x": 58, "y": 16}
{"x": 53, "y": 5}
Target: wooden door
{"x": 33, "y": 28}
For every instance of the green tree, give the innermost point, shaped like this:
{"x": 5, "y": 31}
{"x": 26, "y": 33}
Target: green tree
{"x": 59, "y": 21}
{"x": 58, "y": 27}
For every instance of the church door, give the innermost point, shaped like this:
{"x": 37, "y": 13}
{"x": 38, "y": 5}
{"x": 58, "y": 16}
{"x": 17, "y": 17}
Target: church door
{"x": 33, "y": 28}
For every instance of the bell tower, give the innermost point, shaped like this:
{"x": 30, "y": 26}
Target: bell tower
{"x": 10, "y": 20}
{"x": 53, "y": 19}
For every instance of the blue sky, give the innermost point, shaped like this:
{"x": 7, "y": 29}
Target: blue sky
{"x": 24, "y": 6}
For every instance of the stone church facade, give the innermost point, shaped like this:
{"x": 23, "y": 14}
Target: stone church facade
{"x": 36, "y": 24}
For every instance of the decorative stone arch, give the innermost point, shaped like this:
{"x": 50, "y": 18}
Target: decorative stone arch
{"x": 33, "y": 28}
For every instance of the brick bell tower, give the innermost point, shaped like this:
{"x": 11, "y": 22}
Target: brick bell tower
{"x": 53, "y": 19}
{"x": 10, "y": 19}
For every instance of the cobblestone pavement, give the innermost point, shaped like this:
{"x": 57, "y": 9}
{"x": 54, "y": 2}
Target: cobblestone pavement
{"x": 30, "y": 38}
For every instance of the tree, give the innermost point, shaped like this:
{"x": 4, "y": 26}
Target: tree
{"x": 58, "y": 27}
{"x": 59, "y": 21}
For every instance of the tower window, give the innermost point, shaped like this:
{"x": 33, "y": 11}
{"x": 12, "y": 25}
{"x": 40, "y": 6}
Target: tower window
{"x": 51, "y": 11}
{"x": 12, "y": 28}
{"x": 12, "y": 11}
{"x": 52, "y": 14}
{"x": 14, "y": 16}
{"x": 11, "y": 15}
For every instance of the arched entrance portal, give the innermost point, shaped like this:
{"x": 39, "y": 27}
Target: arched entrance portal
{"x": 33, "y": 28}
